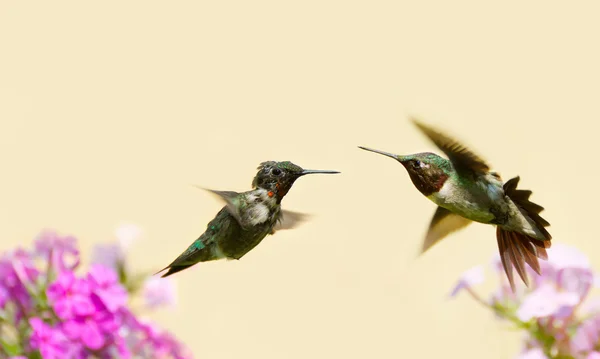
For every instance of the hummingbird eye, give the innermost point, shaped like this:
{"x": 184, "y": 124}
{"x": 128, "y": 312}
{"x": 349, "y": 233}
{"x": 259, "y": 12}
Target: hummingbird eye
{"x": 275, "y": 171}
{"x": 417, "y": 164}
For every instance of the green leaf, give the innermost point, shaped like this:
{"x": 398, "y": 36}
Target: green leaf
{"x": 12, "y": 349}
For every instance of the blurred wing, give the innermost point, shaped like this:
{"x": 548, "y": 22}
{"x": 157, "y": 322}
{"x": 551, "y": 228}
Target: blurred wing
{"x": 443, "y": 223}
{"x": 290, "y": 219}
{"x": 232, "y": 202}
{"x": 462, "y": 158}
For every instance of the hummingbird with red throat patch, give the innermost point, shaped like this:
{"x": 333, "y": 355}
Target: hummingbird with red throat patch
{"x": 465, "y": 191}
{"x": 247, "y": 217}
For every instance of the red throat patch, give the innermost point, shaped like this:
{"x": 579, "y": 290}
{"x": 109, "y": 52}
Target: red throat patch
{"x": 440, "y": 182}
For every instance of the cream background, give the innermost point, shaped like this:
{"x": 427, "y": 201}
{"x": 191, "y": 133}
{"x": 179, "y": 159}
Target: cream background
{"x": 110, "y": 110}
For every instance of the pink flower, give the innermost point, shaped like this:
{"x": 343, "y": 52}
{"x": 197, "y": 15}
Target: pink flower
{"x": 61, "y": 252}
{"x": 535, "y": 353}
{"x": 17, "y": 274}
{"x": 50, "y": 342}
{"x": 105, "y": 285}
{"x": 147, "y": 338}
{"x": 546, "y": 301}
{"x": 469, "y": 278}
{"x": 586, "y": 337}
{"x": 3, "y": 297}
{"x": 70, "y": 296}
{"x": 95, "y": 328}
{"x": 109, "y": 255}
{"x": 159, "y": 292}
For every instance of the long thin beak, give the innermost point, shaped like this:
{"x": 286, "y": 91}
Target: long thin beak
{"x": 396, "y": 157}
{"x": 309, "y": 172}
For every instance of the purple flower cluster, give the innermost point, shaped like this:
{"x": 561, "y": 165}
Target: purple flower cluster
{"x": 556, "y": 313}
{"x": 48, "y": 311}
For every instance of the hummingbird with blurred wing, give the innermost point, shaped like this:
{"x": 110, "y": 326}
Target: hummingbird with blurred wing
{"x": 465, "y": 190}
{"x": 247, "y": 217}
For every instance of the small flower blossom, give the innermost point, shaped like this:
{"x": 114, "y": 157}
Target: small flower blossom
{"x": 159, "y": 292}
{"x": 17, "y": 276}
{"x": 109, "y": 255}
{"x": 105, "y": 285}
{"x": 469, "y": 278}
{"x": 94, "y": 329}
{"x": 146, "y": 337}
{"x": 575, "y": 280}
{"x": 535, "y": 353}
{"x": 50, "y": 341}
{"x": 546, "y": 301}
{"x": 564, "y": 256}
{"x": 61, "y": 252}
{"x": 586, "y": 337}
{"x": 3, "y": 297}
{"x": 70, "y": 296}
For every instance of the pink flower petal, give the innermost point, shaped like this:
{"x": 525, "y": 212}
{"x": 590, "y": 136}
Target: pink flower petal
{"x": 468, "y": 279}
{"x": 545, "y": 301}
{"x": 91, "y": 336}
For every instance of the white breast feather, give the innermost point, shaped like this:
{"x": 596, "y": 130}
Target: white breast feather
{"x": 260, "y": 207}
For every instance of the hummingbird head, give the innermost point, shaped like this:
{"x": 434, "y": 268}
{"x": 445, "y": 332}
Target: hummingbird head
{"x": 278, "y": 177}
{"x": 427, "y": 171}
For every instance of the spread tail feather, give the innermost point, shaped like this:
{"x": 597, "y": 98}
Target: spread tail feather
{"x": 517, "y": 248}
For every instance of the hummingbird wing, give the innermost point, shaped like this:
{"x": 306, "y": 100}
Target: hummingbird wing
{"x": 233, "y": 203}
{"x": 443, "y": 223}
{"x": 461, "y": 157}
{"x": 290, "y": 219}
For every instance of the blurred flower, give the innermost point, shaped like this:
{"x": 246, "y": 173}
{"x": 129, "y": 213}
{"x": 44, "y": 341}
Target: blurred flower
{"x": 159, "y": 292}
{"x": 94, "y": 329}
{"x": 147, "y": 338}
{"x": 61, "y": 252}
{"x": 564, "y": 256}
{"x": 535, "y": 353}
{"x": 553, "y": 311}
{"x": 110, "y": 255}
{"x": 17, "y": 276}
{"x": 586, "y": 336}
{"x": 50, "y": 341}
{"x": 59, "y": 314}
{"x": 70, "y": 296}
{"x": 3, "y": 297}
{"x": 113, "y": 255}
{"x": 546, "y": 301}
{"x": 105, "y": 285}
{"x": 575, "y": 280}
{"x": 469, "y": 278}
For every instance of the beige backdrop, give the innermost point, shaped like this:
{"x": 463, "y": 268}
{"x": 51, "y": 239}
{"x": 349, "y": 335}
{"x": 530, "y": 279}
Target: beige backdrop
{"x": 110, "y": 110}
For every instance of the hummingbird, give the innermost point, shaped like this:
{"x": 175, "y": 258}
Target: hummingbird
{"x": 465, "y": 190}
{"x": 247, "y": 217}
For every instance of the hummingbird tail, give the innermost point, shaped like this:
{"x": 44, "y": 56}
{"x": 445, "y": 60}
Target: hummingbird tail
{"x": 517, "y": 248}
